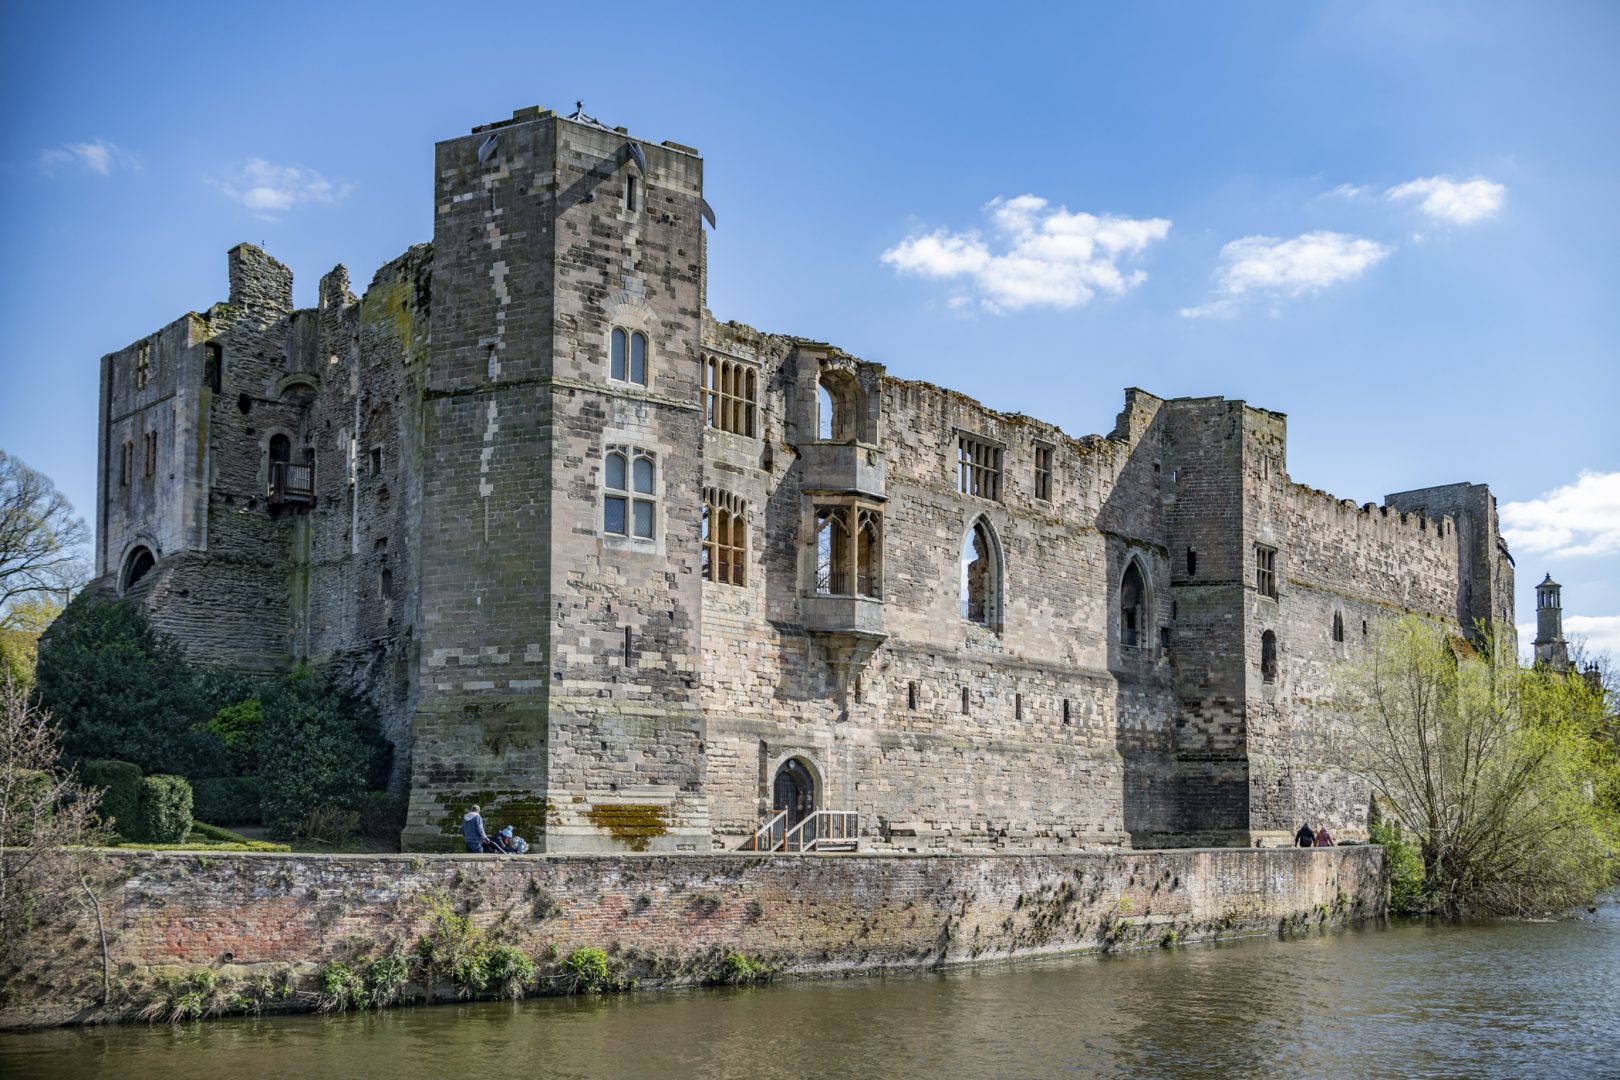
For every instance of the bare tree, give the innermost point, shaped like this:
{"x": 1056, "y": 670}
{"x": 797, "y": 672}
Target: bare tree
{"x": 47, "y": 823}
{"x": 42, "y": 541}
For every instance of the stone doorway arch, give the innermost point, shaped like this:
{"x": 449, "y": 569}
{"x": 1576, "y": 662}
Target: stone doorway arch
{"x": 794, "y": 790}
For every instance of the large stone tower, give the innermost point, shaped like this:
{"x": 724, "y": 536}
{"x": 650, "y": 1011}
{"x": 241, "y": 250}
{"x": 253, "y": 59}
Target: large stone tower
{"x": 561, "y": 490}
{"x": 1549, "y": 644}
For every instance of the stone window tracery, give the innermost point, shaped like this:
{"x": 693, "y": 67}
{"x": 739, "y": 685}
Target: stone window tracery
{"x": 143, "y": 365}
{"x": 1265, "y": 570}
{"x": 978, "y": 467}
{"x": 629, "y": 502}
{"x": 1043, "y": 472}
{"x": 731, "y": 396}
{"x": 627, "y": 356}
{"x": 725, "y": 537}
{"x": 849, "y": 549}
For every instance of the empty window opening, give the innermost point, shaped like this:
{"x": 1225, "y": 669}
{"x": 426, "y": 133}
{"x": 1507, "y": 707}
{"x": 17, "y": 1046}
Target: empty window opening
{"x": 385, "y": 584}
{"x": 1065, "y": 710}
{"x": 244, "y": 404}
{"x": 911, "y": 696}
{"x": 860, "y": 691}
{"x": 839, "y": 406}
{"x": 868, "y": 552}
{"x": 630, "y": 193}
{"x": 832, "y": 551}
{"x": 149, "y": 467}
{"x": 492, "y": 363}
{"x": 980, "y": 576}
{"x": 213, "y": 366}
{"x": 1043, "y": 472}
{"x": 376, "y": 461}
{"x": 978, "y": 468}
{"x": 1268, "y": 656}
{"x": 730, "y": 395}
{"x": 1018, "y": 706}
{"x": 629, "y": 506}
{"x": 143, "y": 365}
{"x": 629, "y": 646}
{"x": 1265, "y": 570}
{"x": 1338, "y": 626}
{"x": 127, "y": 467}
{"x": 1364, "y": 624}
{"x": 1192, "y": 563}
{"x": 1164, "y": 638}
{"x": 627, "y": 360}
{"x": 725, "y": 537}
{"x": 965, "y": 707}
{"x": 1133, "y": 608}
{"x": 138, "y": 565}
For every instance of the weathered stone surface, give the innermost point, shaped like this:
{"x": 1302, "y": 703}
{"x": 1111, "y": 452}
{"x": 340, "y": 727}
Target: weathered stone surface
{"x": 174, "y": 912}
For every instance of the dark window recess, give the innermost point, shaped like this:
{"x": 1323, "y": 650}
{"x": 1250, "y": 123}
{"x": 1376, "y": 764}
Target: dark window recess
{"x": 386, "y": 583}
{"x": 1268, "y": 656}
{"x": 213, "y": 366}
{"x": 1265, "y": 570}
{"x": 629, "y": 643}
{"x": 1065, "y": 710}
{"x": 1018, "y": 706}
{"x": 376, "y": 460}
{"x": 244, "y": 404}
{"x": 630, "y": 193}
{"x": 1192, "y": 563}
{"x": 964, "y": 701}
{"x": 1363, "y": 627}
{"x": 1164, "y": 637}
{"x": 1338, "y": 626}
{"x": 860, "y": 695}
{"x": 911, "y": 696}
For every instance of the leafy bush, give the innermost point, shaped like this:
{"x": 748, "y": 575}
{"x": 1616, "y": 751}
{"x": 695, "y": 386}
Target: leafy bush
{"x": 226, "y": 800}
{"x": 508, "y": 971}
{"x": 453, "y": 948}
{"x": 165, "y": 809}
{"x": 740, "y": 969}
{"x": 386, "y": 977}
{"x": 320, "y": 746}
{"x": 382, "y": 816}
{"x": 238, "y": 727}
{"x": 122, "y": 690}
{"x": 590, "y": 971}
{"x": 1405, "y": 866}
{"x": 120, "y": 784}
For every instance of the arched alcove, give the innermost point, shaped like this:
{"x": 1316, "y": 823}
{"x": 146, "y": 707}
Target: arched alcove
{"x": 981, "y": 576}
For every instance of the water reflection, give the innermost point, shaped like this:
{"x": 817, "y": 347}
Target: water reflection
{"x": 1525, "y": 999}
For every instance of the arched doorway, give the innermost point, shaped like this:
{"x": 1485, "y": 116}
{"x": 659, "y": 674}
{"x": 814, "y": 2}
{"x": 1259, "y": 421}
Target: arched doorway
{"x": 794, "y": 791}
{"x": 138, "y": 565}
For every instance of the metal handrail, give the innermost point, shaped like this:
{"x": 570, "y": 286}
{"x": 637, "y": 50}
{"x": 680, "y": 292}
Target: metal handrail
{"x": 842, "y": 826}
{"x": 768, "y": 830}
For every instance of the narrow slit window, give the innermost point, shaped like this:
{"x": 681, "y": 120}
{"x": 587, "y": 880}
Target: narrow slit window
{"x": 630, "y": 192}
{"x": 629, "y": 646}
{"x": 1192, "y": 563}
{"x": 965, "y": 706}
{"x": 1268, "y": 656}
{"x": 143, "y": 365}
{"x": 1043, "y": 472}
{"x": 1338, "y": 626}
{"x": 1065, "y": 710}
{"x": 127, "y": 468}
{"x": 1018, "y": 706}
{"x": 638, "y": 358}
{"x": 619, "y": 348}
{"x": 911, "y": 696}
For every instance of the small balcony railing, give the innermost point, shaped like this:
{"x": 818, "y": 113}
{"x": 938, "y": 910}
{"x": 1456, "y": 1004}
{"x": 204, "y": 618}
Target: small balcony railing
{"x": 292, "y": 485}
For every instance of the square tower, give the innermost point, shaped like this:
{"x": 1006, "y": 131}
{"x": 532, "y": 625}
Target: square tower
{"x": 561, "y": 491}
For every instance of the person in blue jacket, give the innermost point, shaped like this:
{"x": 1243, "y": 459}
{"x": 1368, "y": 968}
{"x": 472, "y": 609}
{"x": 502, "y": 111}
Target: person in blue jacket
{"x": 472, "y": 831}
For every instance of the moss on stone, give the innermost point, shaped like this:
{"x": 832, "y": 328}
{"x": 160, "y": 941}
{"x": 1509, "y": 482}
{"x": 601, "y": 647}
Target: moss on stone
{"x": 634, "y": 825}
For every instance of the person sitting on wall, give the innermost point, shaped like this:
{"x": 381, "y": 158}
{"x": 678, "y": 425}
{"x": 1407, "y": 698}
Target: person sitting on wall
{"x": 1323, "y": 838}
{"x": 472, "y": 831}
{"x": 1306, "y": 837}
{"x": 511, "y": 843}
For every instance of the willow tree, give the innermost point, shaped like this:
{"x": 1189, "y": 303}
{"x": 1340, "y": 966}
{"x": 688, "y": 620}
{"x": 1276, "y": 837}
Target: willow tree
{"x": 1494, "y": 770}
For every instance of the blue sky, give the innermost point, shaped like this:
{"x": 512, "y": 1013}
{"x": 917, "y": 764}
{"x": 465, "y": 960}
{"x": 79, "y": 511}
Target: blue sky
{"x": 1393, "y": 222}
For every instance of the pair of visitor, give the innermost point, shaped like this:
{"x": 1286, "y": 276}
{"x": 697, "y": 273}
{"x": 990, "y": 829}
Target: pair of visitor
{"x": 506, "y": 842}
{"x": 1308, "y": 837}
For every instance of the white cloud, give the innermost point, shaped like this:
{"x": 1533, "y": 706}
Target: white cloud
{"x": 1600, "y": 632}
{"x": 100, "y": 157}
{"x": 1577, "y": 519}
{"x": 1445, "y": 199}
{"x": 1346, "y": 191}
{"x": 1265, "y": 267}
{"x": 1046, "y": 258}
{"x": 268, "y": 189}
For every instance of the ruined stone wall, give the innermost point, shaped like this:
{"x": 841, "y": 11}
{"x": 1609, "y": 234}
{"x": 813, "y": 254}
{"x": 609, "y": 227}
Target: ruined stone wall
{"x": 669, "y": 920}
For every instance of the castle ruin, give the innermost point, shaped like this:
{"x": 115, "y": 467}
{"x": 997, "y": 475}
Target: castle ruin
{"x": 635, "y": 579}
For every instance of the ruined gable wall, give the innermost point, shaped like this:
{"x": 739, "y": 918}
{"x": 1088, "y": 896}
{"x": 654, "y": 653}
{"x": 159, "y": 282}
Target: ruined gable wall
{"x": 934, "y": 776}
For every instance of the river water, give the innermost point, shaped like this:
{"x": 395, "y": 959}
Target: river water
{"x": 1523, "y": 999}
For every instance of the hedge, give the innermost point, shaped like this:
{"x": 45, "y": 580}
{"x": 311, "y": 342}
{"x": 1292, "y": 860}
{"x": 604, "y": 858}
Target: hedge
{"x": 120, "y": 784}
{"x": 165, "y": 809}
{"x": 226, "y": 800}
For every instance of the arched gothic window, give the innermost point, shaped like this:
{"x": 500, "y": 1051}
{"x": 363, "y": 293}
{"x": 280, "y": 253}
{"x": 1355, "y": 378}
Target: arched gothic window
{"x": 838, "y": 406}
{"x": 138, "y": 565}
{"x": 832, "y": 550}
{"x": 1133, "y": 608}
{"x": 869, "y": 553}
{"x": 627, "y": 361}
{"x": 725, "y": 537}
{"x": 981, "y": 576}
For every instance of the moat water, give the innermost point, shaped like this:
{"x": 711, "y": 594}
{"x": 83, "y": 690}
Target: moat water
{"x": 1521, "y": 999}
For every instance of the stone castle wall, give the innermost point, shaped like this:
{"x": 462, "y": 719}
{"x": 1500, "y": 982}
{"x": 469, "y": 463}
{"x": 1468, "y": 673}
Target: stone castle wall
{"x": 668, "y": 920}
